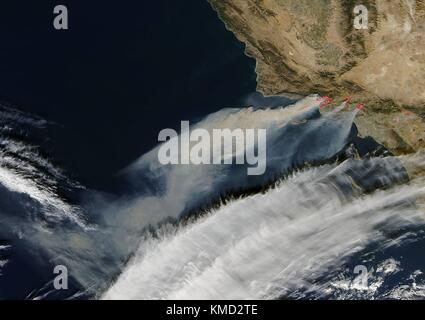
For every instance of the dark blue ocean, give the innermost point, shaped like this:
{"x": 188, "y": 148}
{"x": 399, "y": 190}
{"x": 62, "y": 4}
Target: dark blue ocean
{"x": 120, "y": 74}
{"x": 93, "y": 100}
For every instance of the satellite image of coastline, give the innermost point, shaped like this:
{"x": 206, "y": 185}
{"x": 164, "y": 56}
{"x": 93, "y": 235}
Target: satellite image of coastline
{"x": 218, "y": 150}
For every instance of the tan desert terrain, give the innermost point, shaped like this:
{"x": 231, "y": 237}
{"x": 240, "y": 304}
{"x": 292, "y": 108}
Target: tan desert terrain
{"x": 311, "y": 46}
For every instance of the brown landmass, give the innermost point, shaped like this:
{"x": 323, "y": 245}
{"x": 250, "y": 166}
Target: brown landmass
{"x": 311, "y": 46}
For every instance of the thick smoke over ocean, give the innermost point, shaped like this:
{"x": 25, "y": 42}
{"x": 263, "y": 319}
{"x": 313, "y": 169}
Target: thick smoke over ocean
{"x": 167, "y": 237}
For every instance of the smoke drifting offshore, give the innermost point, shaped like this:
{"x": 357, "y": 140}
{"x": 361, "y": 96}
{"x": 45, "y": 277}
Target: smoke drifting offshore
{"x": 163, "y": 239}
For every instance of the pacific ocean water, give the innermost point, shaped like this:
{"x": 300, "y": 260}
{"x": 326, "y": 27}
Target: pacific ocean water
{"x": 107, "y": 86}
{"x": 121, "y": 73}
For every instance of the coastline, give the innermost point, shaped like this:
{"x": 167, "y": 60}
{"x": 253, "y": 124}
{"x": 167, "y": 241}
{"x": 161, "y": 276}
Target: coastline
{"x": 398, "y": 126}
